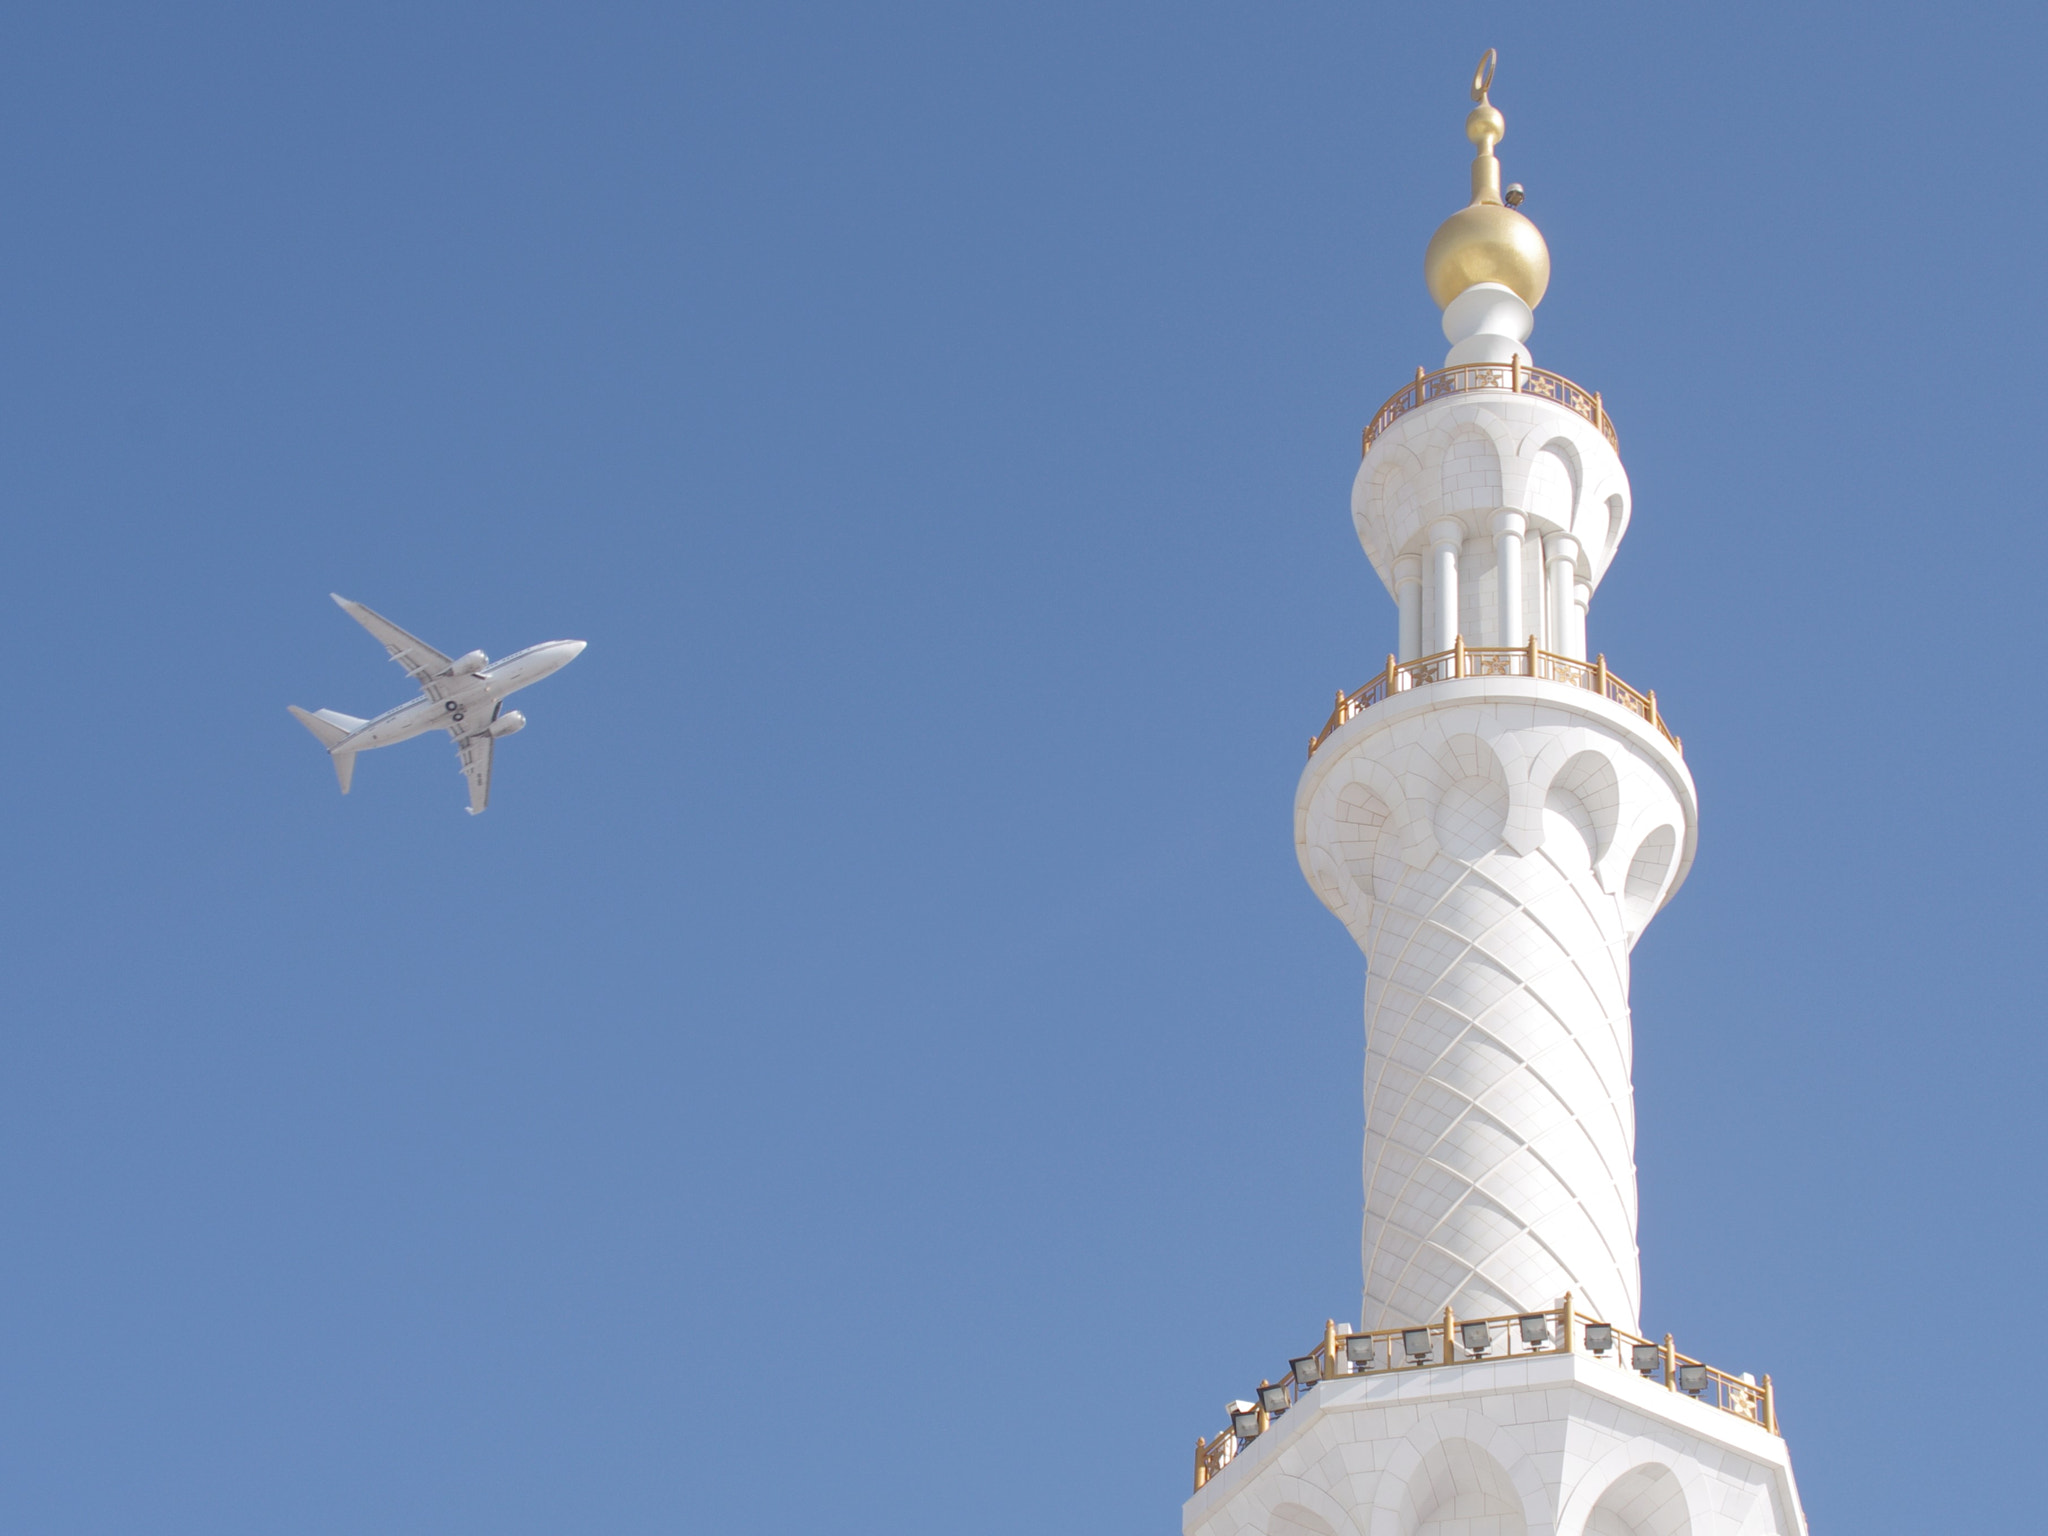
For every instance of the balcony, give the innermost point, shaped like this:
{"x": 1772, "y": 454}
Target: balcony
{"x": 1463, "y": 660}
{"x": 1521, "y": 1336}
{"x": 1508, "y": 378}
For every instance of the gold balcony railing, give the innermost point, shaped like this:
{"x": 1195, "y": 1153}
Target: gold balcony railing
{"x": 1510, "y": 377}
{"x": 1463, "y": 660}
{"x": 1430, "y": 1346}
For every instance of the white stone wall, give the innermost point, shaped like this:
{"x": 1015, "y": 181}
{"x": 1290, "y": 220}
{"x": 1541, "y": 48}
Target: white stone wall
{"x": 1557, "y": 1445}
{"x": 1496, "y": 846}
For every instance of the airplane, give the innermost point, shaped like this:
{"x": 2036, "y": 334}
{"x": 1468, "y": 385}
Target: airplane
{"x": 464, "y": 697}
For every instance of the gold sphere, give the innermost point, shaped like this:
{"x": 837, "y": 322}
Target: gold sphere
{"x": 1486, "y": 243}
{"x": 1485, "y": 124}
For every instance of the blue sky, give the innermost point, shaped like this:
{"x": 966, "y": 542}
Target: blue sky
{"x": 877, "y": 1066}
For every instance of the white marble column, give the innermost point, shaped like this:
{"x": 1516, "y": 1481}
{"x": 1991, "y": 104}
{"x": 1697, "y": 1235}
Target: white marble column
{"x": 1560, "y": 557}
{"x": 1508, "y": 528}
{"x": 1582, "y": 599}
{"x": 1408, "y": 594}
{"x": 1446, "y": 539}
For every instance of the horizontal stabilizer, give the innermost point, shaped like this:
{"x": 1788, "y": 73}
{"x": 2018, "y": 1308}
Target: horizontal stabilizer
{"x": 330, "y": 725}
{"x": 333, "y": 728}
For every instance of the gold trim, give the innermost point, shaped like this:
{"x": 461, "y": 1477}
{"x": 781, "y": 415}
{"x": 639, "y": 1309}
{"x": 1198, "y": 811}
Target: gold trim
{"x": 1754, "y": 1402}
{"x": 1463, "y": 660}
{"x": 1509, "y": 378}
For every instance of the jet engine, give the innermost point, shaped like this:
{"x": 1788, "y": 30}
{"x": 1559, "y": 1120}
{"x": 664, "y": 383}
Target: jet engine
{"x": 508, "y": 722}
{"x": 465, "y": 666}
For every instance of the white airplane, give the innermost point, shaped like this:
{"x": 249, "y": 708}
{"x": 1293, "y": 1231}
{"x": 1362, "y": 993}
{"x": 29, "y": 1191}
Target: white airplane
{"x": 464, "y": 697}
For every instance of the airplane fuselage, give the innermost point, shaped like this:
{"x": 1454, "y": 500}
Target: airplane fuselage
{"x": 465, "y": 700}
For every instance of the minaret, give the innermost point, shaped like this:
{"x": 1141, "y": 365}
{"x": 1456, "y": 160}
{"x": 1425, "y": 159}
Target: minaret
{"x": 1495, "y": 821}
{"x": 1495, "y": 817}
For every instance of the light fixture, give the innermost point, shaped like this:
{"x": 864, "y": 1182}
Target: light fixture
{"x": 1476, "y": 1337}
{"x": 1535, "y": 1329}
{"x": 1358, "y": 1350}
{"x": 1646, "y": 1358}
{"x": 1273, "y": 1400}
{"x": 1416, "y": 1342}
{"x": 1599, "y": 1337}
{"x": 1308, "y": 1370}
{"x": 1693, "y": 1379}
{"x": 1244, "y": 1420}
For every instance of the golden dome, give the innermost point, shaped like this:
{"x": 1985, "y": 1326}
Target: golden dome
{"x": 1486, "y": 241}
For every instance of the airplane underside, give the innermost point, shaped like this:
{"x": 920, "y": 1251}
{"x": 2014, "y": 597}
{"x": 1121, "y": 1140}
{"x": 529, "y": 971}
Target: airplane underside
{"x": 464, "y": 697}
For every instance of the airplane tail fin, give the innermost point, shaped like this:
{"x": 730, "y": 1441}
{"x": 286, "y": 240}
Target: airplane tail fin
{"x": 332, "y": 728}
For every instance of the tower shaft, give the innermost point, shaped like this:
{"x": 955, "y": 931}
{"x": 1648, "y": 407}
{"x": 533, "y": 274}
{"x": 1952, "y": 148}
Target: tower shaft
{"x": 1495, "y": 844}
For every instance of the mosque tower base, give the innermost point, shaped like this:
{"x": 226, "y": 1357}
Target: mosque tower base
{"x": 1562, "y": 1444}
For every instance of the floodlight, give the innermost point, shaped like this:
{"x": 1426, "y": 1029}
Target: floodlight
{"x": 1535, "y": 1329}
{"x": 1273, "y": 1400}
{"x": 1646, "y": 1358}
{"x": 1358, "y": 1349}
{"x": 1416, "y": 1342}
{"x": 1244, "y": 1421}
{"x": 1693, "y": 1379}
{"x": 1308, "y": 1370}
{"x": 1599, "y": 1337}
{"x": 1476, "y": 1337}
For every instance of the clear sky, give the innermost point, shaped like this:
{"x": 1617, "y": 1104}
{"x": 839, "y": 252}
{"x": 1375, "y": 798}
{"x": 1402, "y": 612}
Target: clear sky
{"x": 877, "y": 1066}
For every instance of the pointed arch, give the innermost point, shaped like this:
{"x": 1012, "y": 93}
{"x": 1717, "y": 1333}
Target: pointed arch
{"x": 1469, "y": 471}
{"x": 1454, "y": 1457}
{"x": 1634, "y": 1490}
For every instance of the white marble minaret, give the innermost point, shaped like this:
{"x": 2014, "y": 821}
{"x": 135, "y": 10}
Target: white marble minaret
{"x": 1496, "y": 818}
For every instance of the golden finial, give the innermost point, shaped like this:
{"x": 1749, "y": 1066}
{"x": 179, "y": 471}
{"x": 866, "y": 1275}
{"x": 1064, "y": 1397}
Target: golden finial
{"x": 1485, "y": 127}
{"x": 1486, "y": 241}
{"x": 1482, "y": 77}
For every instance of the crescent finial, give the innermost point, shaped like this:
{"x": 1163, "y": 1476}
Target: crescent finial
{"x": 1482, "y": 77}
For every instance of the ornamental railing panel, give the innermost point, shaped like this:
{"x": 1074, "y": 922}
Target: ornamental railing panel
{"x": 1342, "y": 1354}
{"x": 1510, "y": 377}
{"x": 1463, "y": 660}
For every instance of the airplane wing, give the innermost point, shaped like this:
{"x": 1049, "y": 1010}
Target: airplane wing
{"x": 423, "y": 664}
{"x": 476, "y": 761}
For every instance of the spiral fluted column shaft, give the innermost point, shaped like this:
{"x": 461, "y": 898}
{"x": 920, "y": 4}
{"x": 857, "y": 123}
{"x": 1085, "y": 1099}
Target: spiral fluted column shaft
{"x": 1495, "y": 847}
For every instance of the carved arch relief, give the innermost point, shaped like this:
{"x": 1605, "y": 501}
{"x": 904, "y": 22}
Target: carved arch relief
{"x": 1390, "y": 511}
{"x": 1617, "y": 525}
{"x": 1471, "y": 460}
{"x": 1574, "y": 792}
{"x": 1471, "y": 811}
{"x": 1454, "y": 1473}
{"x": 1636, "y": 1490}
{"x": 1459, "y": 1488}
{"x": 1360, "y": 819}
{"x": 1468, "y": 475}
{"x": 1586, "y": 794}
{"x": 1293, "y": 1504}
{"x": 1644, "y": 1501}
{"x": 1649, "y": 876}
{"x": 1553, "y": 495}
